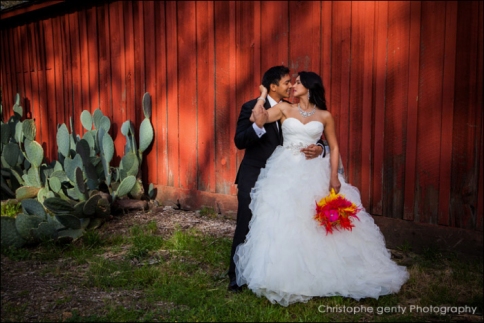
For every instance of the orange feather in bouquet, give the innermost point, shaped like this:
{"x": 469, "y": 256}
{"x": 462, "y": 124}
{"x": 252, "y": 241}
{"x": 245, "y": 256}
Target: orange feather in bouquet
{"x": 334, "y": 211}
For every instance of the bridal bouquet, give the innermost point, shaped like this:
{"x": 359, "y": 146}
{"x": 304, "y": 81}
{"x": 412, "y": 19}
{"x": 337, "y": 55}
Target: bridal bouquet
{"x": 334, "y": 211}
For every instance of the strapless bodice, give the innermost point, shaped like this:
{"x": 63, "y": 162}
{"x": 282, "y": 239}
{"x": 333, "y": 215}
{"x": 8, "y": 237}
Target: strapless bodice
{"x": 298, "y": 134}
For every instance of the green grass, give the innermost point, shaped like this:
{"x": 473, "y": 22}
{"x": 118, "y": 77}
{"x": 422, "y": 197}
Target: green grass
{"x": 182, "y": 278}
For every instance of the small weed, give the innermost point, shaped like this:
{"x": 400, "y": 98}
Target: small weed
{"x": 12, "y": 312}
{"x": 16, "y": 254}
{"x": 151, "y": 227}
{"x": 144, "y": 241}
{"x": 11, "y": 208}
{"x": 63, "y": 300}
{"x": 92, "y": 239}
{"x": 208, "y": 212}
{"x": 136, "y": 230}
{"x": 405, "y": 247}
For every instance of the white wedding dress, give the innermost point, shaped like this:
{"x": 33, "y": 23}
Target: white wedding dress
{"x": 287, "y": 256}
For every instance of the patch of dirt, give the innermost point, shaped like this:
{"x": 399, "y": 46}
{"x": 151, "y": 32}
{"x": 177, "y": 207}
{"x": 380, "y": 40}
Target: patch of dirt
{"x": 33, "y": 291}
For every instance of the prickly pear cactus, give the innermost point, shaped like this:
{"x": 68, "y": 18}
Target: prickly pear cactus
{"x": 63, "y": 199}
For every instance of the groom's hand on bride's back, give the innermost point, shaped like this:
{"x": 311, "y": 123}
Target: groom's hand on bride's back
{"x": 312, "y": 151}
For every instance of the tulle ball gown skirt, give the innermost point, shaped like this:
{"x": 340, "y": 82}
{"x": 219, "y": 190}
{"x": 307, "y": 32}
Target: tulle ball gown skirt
{"x": 288, "y": 257}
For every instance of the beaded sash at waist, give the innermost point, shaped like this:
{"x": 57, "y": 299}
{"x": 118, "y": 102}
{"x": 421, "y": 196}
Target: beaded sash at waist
{"x": 295, "y": 148}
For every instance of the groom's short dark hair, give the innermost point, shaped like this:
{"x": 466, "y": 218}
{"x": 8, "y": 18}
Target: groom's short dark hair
{"x": 273, "y": 75}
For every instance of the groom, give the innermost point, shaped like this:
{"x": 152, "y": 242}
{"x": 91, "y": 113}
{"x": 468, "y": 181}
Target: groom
{"x": 259, "y": 141}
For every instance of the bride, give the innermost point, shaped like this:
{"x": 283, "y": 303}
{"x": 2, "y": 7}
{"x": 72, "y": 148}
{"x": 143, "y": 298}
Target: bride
{"x": 287, "y": 256}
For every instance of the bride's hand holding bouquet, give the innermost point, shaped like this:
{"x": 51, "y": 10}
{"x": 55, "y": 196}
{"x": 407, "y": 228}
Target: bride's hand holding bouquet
{"x": 335, "y": 211}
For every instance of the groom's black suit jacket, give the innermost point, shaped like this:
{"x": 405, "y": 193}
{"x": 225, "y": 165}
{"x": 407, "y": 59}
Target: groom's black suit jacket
{"x": 257, "y": 150}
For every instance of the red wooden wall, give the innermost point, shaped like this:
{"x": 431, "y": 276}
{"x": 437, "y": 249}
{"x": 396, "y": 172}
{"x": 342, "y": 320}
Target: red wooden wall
{"x": 403, "y": 79}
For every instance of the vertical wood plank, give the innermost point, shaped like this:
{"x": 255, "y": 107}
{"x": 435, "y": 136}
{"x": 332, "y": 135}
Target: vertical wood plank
{"x": 480, "y": 104}
{"x": 326, "y": 32}
{"x": 305, "y": 38}
{"x": 464, "y": 164}
{"x": 38, "y": 83}
{"x": 131, "y": 73}
{"x": 58, "y": 69}
{"x": 187, "y": 51}
{"x": 118, "y": 114}
{"x": 160, "y": 117}
{"x": 26, "y": 69}
{"x": 104, "y": 40}
{"x": 363, "y": 16}
{"x": 341, "y": 75}
{"x": 17, "y": 65}
{"x": 139, "y": 59}
{"x": 50, "y": 92}
{"x": 412, "y": 111}
{"x": 67, "y": 71}
{"x": 4, "y": 77}
{"x": 75, "y": 108}
{"x": 447, "y": 112}
{"x": 430, "y": 112}
{"x": 33, "y": 55}
{"x": 93, "y": 58}
{"x": 150, "y": 165}
{"x": 223, "y": 100}
{"x": 381, "y": 27}
{"x": 396, "y": 109}
{"x": 205, "y": 96}
{"x": 47, "y": 128}
{"x": 245, "y": 40}
{"x": 84, "y": 86}
{"x": 8, "y": 81}
{"x": 233, "y": 112}
{"x": 358, "y": 23}
{"x": 257, "y": 50}
{"x": 274, "y": 31}
{"x": 172, "y": 92}
{"x": 368, "y": 113}
{"x": 18, "y": 69}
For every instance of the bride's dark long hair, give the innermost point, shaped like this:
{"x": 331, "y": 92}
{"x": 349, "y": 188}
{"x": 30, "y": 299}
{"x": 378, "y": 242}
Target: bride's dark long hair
{"x": 314, "y": 84}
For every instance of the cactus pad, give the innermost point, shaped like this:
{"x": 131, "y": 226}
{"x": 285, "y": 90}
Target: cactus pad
{"x": 24, "y": 223}
{"x": 63, "y": 141}
{"x": 9, "y": 235}
{"x": 58, "y": 206}
{"x": 11, "y": 153}
{"x": 45, "y": 231}
{"x": 145, "y": 134}
{"x": 126, "y": 186}
{"x": 33, "y": 207}
{"x": 69, "y": 221}
{"x": 71, "y": 234}
{"x": 146, "y": 103}
{"x": 26, "y": 192}
{"x": 86, "y": 120}
{"x": 29, "y": 129}
{"x": 96, "y": 116}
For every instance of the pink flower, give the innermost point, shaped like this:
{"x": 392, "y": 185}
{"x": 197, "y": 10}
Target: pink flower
{"x": 332, "y": 215}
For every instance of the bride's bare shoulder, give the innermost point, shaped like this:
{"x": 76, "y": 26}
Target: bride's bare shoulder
{"x": 325, "y": 116}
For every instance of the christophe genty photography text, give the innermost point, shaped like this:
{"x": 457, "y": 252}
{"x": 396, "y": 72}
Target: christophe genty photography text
{"x": 410, "y": 309}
